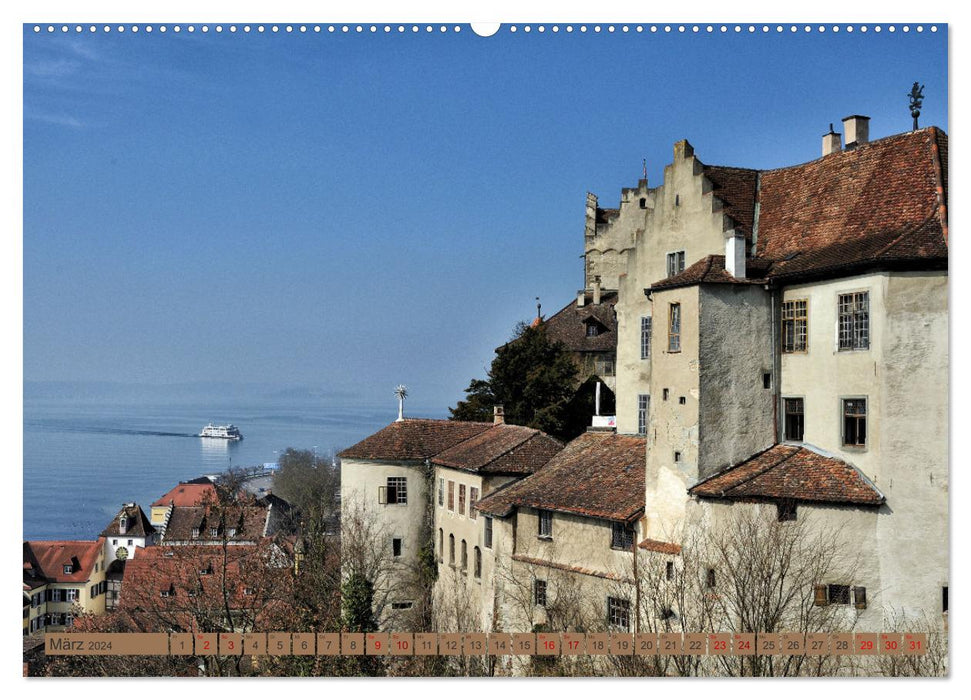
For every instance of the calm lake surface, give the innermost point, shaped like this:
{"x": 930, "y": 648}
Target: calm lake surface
{"x": 85, "y": 455}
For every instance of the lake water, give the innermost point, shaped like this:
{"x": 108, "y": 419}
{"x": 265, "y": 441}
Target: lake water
{"x": 86, "y": 455}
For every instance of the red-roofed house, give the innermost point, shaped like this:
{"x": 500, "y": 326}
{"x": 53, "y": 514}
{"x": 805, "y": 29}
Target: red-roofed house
{"x": 63, "y": 579}
{"x": 185, "y": 494}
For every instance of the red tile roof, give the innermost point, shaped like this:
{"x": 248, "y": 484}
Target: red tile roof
{"x": 248, "y": 521}
{"x": 736, "y": 188}
{"x": 48, "y": 559}
{"x": 660, "y": 547}
{"x": 414, "y": 439}
{"x": 792, "y": 472}
{"x": 252, "y": 575}
{"x": 881, "y": 205}
{"x": 502, "y": 449}
{"x": 187, "y": 495}
{"x": 598, "y": 474}
{"x": 569, "y": 325}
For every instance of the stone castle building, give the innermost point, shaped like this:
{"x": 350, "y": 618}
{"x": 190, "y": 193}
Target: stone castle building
{"x": 781, "y": 348}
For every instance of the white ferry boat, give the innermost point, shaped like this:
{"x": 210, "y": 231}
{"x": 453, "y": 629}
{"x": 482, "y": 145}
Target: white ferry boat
{"x": 225, "y": 432}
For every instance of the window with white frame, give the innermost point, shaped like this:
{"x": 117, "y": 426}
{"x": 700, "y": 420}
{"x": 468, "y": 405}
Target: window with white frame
{"x": 854, "y": 321}
{"x": 675, "y": 263}
{"x": 645, "y": 337}
{"x": 795, "y": 324}
{"x": 643, "y": 407}
{"x": 618, "y": 613}
{"x": 72, "y": 594}
{"x": 397, "y": 489}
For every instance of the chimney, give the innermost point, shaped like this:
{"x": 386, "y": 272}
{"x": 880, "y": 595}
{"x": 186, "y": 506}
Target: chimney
{"x": 596, "y": 290}
{"x": 581, "y": 297}
{"x": 831, "y": 142}
{"x": 857, "y": 129}
{"x": 498, "y": 415}
{"x": 735, "y": 254}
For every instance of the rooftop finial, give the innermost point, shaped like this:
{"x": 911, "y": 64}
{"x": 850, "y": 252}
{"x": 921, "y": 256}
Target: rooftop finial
{"x": 916, "y": 100}
{"x": 401, "y": 391}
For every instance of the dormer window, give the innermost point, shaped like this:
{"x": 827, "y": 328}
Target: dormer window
{"x": 214, "y": 532}
{"x": 195, "y": 532}
{"x": 593, "y": 329}
{"x": 68, "y": 569}
{"x": 232, "y": 532}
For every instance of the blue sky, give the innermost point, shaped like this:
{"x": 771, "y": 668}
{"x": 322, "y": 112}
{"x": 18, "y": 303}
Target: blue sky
{"x": 355, "y": 211}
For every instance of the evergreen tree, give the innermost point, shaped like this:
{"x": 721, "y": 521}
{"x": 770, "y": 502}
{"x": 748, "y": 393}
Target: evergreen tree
{"x": 534, "y": 378}
{"x": 357, "y": 599}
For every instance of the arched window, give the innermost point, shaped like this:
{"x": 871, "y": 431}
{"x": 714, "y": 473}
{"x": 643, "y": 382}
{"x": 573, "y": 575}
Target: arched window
{"x": 465, "y": 556}
{"x": 451, "y": 550}
{"x": 441, "y": 545}
{"x": 478, "y": 563}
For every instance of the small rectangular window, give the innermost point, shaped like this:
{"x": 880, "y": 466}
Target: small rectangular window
{"x": 643, "y": 408}
{"x": 402, "y": 606}
{"x": 838, "y": 594}
{"x": 786, "y": 511}
{"x": 675, "y": 263}
{"x": 451, "y": 495}
{"x": 645, "y": 337}
{"x": 487, "y": 534}
{"x": 795, "y": 323}
{"x": 461, "y": 499}
{"x": 621, "y": 536}
{"x": 766, "y": 380}
{"x": 669, "y": 571}
{"x": 682, "y": 400}
{"x": 618, "y": 613}
{"x": 793, "y": 421}
{"x": 473, "y": 499}
{"x": 397, "y": 489}
{"x": 854, "y": 321}
{"x": 396, "y": 546}
{"x": 674, "y": 328}
{"x": 539, "y": 592}
{"x": 677, "y": 456}
{"x": 944, "y": 599}
{"x": 441, "y": 491}
{"x": 545, "y": 525}
{"x": 854, "y": 422}
{"x": 859, "y": 597}
{"x": 710, "y": 578}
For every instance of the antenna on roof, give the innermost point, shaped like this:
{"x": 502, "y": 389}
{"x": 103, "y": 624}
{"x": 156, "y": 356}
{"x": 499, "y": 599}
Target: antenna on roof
{"x": 916, "y": 100}
{"x": 401, "y": 391}
{"x": 539, "y": 314}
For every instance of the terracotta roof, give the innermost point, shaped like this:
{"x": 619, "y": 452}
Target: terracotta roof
{"x": 502, "y": 449}
{"x": 48, "y": 559}
{"x": 138, "y": 524}
{"x": 188, "y": 494}
{"x": 881, "y": 205}
{"x": 711, "y": 270}
{"x": 414, "y": 439}
{"x": 660, "y": 547}
{"x": 792, "y": 472}
{"x": 250, "y": 579}
{"x": 567, "y": 567}
{"x": 569, "y": 325}
{"x": 600, "y": 475}
{"x": 736, "y": 188}
{"x": 249, "y": 521}
{"x": 883, "y": 187}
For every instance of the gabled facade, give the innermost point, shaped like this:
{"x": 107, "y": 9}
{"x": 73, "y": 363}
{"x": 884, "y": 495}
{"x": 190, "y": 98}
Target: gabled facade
{"x": 63, "y": 579}
{"x": 129, "y": 531}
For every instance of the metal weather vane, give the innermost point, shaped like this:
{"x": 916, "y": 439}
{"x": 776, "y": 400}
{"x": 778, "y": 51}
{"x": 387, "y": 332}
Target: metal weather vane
{"x": 916, "y": 100}
{"x": 401, "y": 392}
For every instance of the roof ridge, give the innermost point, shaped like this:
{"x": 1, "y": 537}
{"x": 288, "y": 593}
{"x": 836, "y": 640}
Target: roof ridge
{"x": 736, "y": 466}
